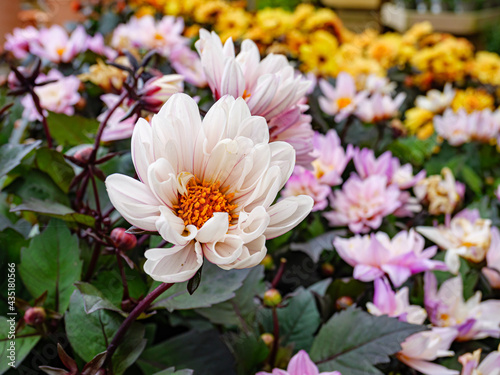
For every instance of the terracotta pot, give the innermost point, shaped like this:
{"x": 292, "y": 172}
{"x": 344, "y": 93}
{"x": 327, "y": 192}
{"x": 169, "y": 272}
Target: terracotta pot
{"x": 9, "y": 19}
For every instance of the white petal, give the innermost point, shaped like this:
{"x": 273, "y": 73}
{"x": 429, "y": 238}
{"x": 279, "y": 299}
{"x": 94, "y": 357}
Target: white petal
{"x": 283, "y": 155}
{"x": 214, "y": 228}
{"x": 252, "y": 225}
{"x": 233, "y": 81}
{"x": 172, "y": 228}
{"x": 174, "y": 265}
{"x": 225, "y": 251}
{"x": 142, "y": 148}
{"x": 134, "y": 200}
{"x": 163, "y": 182}
{"x": 251, "y": 255}
{"x": 287, "y": 214}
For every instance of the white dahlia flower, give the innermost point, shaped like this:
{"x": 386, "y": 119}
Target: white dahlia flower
{"x": 207, "y": 187}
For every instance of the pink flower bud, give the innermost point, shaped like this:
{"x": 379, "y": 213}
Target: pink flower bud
{"x": 272, "y": 298}
{"x": 83, "y": 154}
{"x": 122, "y": 239}
{"x": 35, "y": 316}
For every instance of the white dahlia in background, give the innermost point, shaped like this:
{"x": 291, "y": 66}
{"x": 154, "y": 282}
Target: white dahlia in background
{"x": 207, "y": 187}
{"x": 270, "y": 87}
{"x": 490, "y": 365}
{"x": 436, "y": 101}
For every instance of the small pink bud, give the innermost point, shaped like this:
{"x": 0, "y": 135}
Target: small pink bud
{"x": 344, "y": 302}
{"x": 83, "y": 154}
{"x": 34, "y": 316}
{"x": 268, "y": 339}
{"x": 122, "y": 239}
{"x": 327, "y": 269}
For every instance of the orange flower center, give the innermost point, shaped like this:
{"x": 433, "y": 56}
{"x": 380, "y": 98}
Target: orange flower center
{"x": 246, "y": 95}
{"x": 343, "y": 102}
{"x": 60, "y": 51}
{"x": 201, "y": 201}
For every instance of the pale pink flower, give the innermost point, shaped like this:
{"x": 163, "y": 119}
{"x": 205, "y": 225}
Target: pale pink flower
{"x": 54, "y": 44}
{"x": 492, "y": 271}
{"x": 379, "y": 107}
{"x": 403, "y": 176}
{"x": 59, "y": 96}
{"x": 420, "y": 349}
{"x": 21, "y": 40}
{"x": 436, "y": 101}
{"x": 304, "y": 182}
{"x": 300, "y": 364}
{"x": 382, "y": 85}
{"x": 363, "y": 204}
{"x": 376, "y": 255}
{"x": 96, "y": 45}
{"x": 462, "y": 127}
{"x": 446, "y": 307}
{"x": 117, "y": 127}
{"x": 367, "y": 164}
{"x": 146, "y": 33}
{"x": 207, "y": 187}
{"x": 187, "y": 63}
{"x": 331, "y": 158}
{"x": 467, "y": 236}
{"x": 269, "y": 86}
{"x": 490, "y": 365}
{"x": 394, "y": 304}
{"x": 341, "y": 100}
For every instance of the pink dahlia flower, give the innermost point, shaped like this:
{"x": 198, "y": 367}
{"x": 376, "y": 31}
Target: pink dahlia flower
{"x": 59, "y": 96}
{"x": 446, "y": 307}
{"x": 379, "y": 107}
{"x": 304, "y": 182}
{"x": 188, "y": 64}
{"x": 363, "y": 204}
{"x": 270, "y": 86}
{"x": 394, "y": 304}
{"x": 56, "y": 45}
{"x": 21, "y": 41}
{"x": 492, "y": 270}
{"x": 376, "y": 255}
{"x": 419, "y": 350}
{"x": 300, "y": 364}
{"x": 207, "y": 187}
{"x": 331, "y": 158}
{"x": 490, "y": 365}
{"x": 341, "y": 100}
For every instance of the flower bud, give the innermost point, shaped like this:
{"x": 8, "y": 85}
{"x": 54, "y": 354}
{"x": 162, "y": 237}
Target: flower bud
{"x": 272, "y": 298}
{"x": 268, "y": 263}
{"x": 83, "y": 154}
{"x": 34, "y": 316}
{"x": 327, "y": 269}
{"x": 344, "y": 302}
{"x": 122, "y": 239}
{"x": 268, "y": 339}
{"x": 158, "y": 90}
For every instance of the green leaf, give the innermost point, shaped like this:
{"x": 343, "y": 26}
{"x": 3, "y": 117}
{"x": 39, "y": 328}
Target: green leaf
{"x": 352, "y": 341}
{"x": 413, "y": 150}
{"x": 217, "y": 286}
{"x": 242, "y": 308}
{"x": 249, "y": 351}
{"x": 204, "y": 352}
{"x": 23, "y": 345}
{"x": 171, "y": 371}
{"x": 54, "y": 164}
{"x": 51, "y": 263}
{"x": 298, "y": 320}
{"x": 315, "y": 247}
{"x": 472, "y": 180}
{"x": 94, "y": 300}
{"x": 71, "y": 130}
{"x": 11, "y": 155}
{"x": 109, "y": 284}
{"x": 35, "y": 184}
{"x": 55, "y": 210}
{"x": 90, "y": 334}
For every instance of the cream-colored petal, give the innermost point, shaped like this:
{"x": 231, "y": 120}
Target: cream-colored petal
{"x": 214, "y": 228}
{"x": 142, "y": 148}
{"x": 225, "y": 251}
{"x": 134, "y": 200}
{"x": 163, "y": 182}
{"x": 174, "y": 265}
{"x": 287, "y": 214}
{"x": 172, "y": 228}
{"x": 251, "y": 225}
{"x": 251, "y": 255}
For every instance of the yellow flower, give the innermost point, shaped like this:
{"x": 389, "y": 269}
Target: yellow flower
{"x": 385, "y": 49}
{"x": 486, "y": 68}
{"x": 207, "y": 12}
{"x": 472, "y": 100}
{"x": 145, "y": 10}
{"x": 318, "y": 55}
{"x": 272, "y": 23}
{"x": 294, "y": 39}
{"x": 417, "y": 32}
{"x": 361, "y": 67}
{"x": 232, "y": 22}
{"x": 418, "y": 120}
{"x": 324, "y": 19}
{"x": 301, "y": 14}
{"x": 105, "y": 76}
